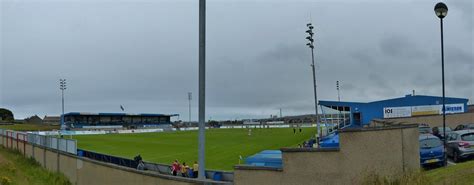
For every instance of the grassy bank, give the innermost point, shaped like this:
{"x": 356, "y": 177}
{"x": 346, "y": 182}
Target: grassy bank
{"x": 16, "y": 169}
{"x": 30, "y": 127}
{"x": 460, "y": 174}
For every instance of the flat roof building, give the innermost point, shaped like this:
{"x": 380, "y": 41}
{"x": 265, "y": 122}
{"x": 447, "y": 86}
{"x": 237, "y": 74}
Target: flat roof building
{"x": 355, "y": 114}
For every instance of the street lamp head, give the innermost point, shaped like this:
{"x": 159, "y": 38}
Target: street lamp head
{"x": 441, "y": 10}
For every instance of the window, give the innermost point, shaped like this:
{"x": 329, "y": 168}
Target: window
{"x": 468, "y": 137}
{"x": 136, "y": 120}
{"x": 127, "y": 119}
{"x": 164, "y": 119}
{"x": 147, "y": 120}
{"x": 155, "y": 120}
{"x": 80, "y": 120}
{"x": 105, "y": 120}
{"x": 93, "y": 120}
{"x": 430, "y": 143}
{"x": 116, "y": 120}
{"x": 68, "y": 118}
{"x": 452, "y": 137}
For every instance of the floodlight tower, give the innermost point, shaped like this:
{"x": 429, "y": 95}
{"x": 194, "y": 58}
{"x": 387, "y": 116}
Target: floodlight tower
{"x": 338, "y": 94}
{"x": 62, "y": 87}
{"x": 310, "y": 44}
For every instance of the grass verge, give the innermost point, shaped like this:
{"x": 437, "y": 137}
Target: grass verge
{"x": 30, "y": 127}
{"x": 460, "y": 174}
{"x": 16, "y": 169}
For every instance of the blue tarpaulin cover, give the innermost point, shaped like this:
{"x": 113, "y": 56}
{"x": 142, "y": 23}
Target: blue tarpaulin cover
{"x": 269, "y": 158}
{"x": 330, "y": 141}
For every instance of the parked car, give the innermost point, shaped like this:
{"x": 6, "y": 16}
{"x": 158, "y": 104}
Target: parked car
{"x": 424, "y": 129}
{"x": 460, "y": 144}
{"x": 431, "y": 150}
{"x": 466, "y": 126}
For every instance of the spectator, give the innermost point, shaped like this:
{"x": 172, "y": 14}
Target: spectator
{"x": 137, "y": 159}
{"x": 311, "y": 143}
{"x": 436, "y": 133}
{"x": 195, "y": 169}
{"x": 175, "y": 167}
{"x": 184, "y": 169}
{"x": 141, "y": 165}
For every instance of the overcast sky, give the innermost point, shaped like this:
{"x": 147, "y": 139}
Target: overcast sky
{"x": 144, "y": 54}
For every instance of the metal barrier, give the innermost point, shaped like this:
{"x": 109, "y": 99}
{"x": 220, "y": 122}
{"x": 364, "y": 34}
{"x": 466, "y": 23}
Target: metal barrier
{"x": 61, "y": 144}
{"x": 21, "y": 138}
{"x": 160, "y": 168}
{"x": 107, "y": 158}
{"x": 13, "y": 140}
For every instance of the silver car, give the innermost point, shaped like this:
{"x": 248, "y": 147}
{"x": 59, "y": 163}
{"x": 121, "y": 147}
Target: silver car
{"x": 460, "y": 144}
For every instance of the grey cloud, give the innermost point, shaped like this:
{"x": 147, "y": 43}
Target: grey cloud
{"x": 286, "y": 53}
{"x": 460, "y": 56}
{"x": 144, "y": 55}
{"x": 364, "y": 57}
{"x": 401, "y": 47}
{"x": 467, "y": 9}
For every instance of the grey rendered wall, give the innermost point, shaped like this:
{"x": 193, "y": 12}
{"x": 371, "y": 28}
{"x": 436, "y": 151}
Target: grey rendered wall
{"x": 387, "y": 152}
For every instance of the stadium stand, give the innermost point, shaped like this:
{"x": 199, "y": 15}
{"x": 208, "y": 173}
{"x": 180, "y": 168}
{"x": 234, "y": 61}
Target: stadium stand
{"x": 116, "y": 121}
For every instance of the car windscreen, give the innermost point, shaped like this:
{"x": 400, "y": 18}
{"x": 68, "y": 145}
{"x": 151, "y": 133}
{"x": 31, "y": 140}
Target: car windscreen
{"x": 468, "y": 137}
{"x": 424, "y": 130}
{"x": 447, "y": 129}
{"x": 430, "y": 143}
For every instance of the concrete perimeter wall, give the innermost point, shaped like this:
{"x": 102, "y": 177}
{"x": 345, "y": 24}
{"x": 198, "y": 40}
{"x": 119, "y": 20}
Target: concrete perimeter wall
{"x": 384, "y": 151}
{"x": 84, "y": 171}
{"x": 452, "y": 120}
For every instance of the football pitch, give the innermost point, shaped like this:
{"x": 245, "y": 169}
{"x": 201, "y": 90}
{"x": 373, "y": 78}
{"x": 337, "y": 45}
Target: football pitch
{"x": 223, "y": 146}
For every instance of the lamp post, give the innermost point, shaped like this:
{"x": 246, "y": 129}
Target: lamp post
{"x": 202, "y": 88}
{"x": 311, "y": 45}
{"x": 441, "y": 10}
{"x": 62, "y": 86}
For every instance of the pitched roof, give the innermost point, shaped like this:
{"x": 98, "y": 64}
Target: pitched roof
{"x": 51, "y": 118}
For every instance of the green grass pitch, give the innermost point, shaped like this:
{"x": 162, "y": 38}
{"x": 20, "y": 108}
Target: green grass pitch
{"x": 223, "y": 146}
